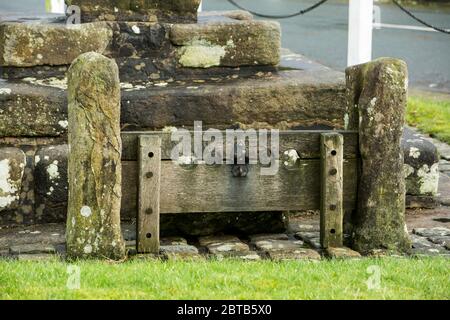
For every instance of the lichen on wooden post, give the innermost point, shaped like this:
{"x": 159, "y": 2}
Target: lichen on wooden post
{"x": 381, "y": 98}
{"x": 95, "y": 174}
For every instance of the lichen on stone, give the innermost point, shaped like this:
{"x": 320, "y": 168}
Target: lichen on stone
{"x": 201, "y": 54}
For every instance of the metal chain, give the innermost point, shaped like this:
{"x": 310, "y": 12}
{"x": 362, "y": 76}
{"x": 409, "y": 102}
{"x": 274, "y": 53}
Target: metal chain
{"x": 409, "y": 13}
{"x": 262, "y": 15}
{"x": 314, "y": 6}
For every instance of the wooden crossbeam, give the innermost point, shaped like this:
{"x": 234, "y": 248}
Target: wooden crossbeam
{"x": 149, "y": 194}
{"x": 331, "y": 209}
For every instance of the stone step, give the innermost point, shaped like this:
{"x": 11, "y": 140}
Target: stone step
{"x": 147, "y": 48}
{"x": 149, "y": 10}
{"x": 288, "y": 99}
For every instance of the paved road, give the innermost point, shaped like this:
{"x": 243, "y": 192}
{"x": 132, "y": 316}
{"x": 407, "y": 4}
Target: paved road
{"x": 322, "y": 35}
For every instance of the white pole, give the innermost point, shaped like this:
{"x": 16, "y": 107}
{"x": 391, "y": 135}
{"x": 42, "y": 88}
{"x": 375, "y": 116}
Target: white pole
{"x": 200, "y": 8}
{"x": 55, "y": 6}
{"x": 360, "y": 23}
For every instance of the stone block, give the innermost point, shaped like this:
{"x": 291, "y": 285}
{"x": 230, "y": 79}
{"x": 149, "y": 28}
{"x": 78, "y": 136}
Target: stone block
{"x": 299, "y": 254}
{"x": 137, "y": 10}
{"x": 52, "y": 181}
{"x": 342, "y": 253}
{"x": 12, "y": 167}
{"x": 229, "y": 44}
{"x": 421, "y": 164}
{"x": 35, "y": 44}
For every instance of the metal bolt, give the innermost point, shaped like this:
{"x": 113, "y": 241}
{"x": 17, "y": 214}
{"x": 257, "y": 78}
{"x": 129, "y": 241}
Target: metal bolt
{"x": 149, "y": 211}
{"x": 149, "y": 175}
{"x": 333, "y": 207}
{"x": 239, "y": 171}
{"x": 333, "y": 171}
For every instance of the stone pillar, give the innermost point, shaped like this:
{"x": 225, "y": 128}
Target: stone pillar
{"x": 95, "y": 174}
{"x": 380, "y": 97}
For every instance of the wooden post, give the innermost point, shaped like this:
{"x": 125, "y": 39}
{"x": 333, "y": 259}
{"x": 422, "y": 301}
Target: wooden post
{"x": 331, "y": 209}
{"x": 360, "y": 23}
{"x": 149, "y": 194}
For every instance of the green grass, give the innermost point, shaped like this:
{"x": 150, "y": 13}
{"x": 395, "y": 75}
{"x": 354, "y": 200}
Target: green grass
{"x": 426, "y": 278}
{"x": 430, "y": 114}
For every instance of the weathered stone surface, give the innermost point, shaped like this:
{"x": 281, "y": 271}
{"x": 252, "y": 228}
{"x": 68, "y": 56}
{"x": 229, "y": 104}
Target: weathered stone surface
{"x": 268, "y": 236}
{"x": 126, "y": 10}
{"x": 224, "y": 246}
{"x": 286, "y": 100}
{"x": 180, "y": 252}
{"x": 298, "y": 254}
{"x": 173, "y": 241}
{"x": 432, "y": 232}
{"x": 232, "y": 14}
{"x": 381, "y": 102}
{"x": 208, "y": 240}
{"x": 421, "y": 246}
{"x": 12, "y": 166}
{"x": 95, "y": 175}
{"x": 38, "y": 110}
{"x": 44, "y": 235}
{"x": 278, "y": 245}
{"x": 35, "y": 44}
{"x": 341, "y": 253}
{"x": 32, "y": 249}
{"x": 440, "y": 240}
{"x": 227, "y": 43}
{"x": 305, "y": 236}
{"x": 421, "y": 164}
{"x": 52, "y": 181}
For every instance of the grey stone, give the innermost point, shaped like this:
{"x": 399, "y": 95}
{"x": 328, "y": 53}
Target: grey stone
{"x": 305, "y": 236}
{"x": 34, "y": 44}
{"x": 173, "y": 241}
{"x": 440, "y": 240}
{"x": 230, "y": 44}
{"x": 432, "y": 232}
{"x": 224, "y": 245}
{"x": 182, "y": 249}
{"x": 342, "y": 253}
{"x": 301, "y": 227}
{"x": 149, "y": 10}
{"x": 268, "y": 236}
{"x": 34, "y": 248}
{"x": 314, "y": 243}
{"x": 208, "y": 240}
{"x": 378, "y": 90}
{"x": 298, "y": 254}
{"x": 421, "y": 164}
{"x": 95, "y": 171}
{"x": 51, "y": 177}
{"x": 278, "y": 245}
{"x": 12, "y": 166}
{"x": 38, "y": 110}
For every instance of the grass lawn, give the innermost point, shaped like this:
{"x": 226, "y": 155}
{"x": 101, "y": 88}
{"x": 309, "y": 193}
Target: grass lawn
{"x": 426, "y": 278}
{"x": 431, "y": 114}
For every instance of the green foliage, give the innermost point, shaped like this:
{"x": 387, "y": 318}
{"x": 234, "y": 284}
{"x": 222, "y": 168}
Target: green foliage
{"x": 430, "y": 115}
{"x": 425, "y": 278}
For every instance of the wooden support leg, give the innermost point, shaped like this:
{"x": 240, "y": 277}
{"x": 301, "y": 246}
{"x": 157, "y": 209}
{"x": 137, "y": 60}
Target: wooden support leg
{"x": 331, "y": 209}
{"x": 149, "y": 194}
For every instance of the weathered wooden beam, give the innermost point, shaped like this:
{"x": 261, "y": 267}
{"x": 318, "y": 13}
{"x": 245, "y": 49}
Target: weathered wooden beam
{"x": 205, "y": 188}
{"x": 306, "y": 143}
{"x": 149, "y": 194}
{"x": 332, "y": 178}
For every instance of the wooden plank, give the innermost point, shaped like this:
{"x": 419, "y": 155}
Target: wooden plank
{"x": 149, "y": 194}
{"x": 214, "y": 189}
{"x": 332, "y": 178}
{"x": 307, "y": 143}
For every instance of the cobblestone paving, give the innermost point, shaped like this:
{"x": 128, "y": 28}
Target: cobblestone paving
{"x": 300, "y": 243}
